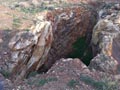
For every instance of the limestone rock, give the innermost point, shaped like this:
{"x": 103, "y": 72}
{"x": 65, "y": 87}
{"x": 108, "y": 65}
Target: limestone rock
{"x": 30, "y": 49}
{"x": 105, "y": 40}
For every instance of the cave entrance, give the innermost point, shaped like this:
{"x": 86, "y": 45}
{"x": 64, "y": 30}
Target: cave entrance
{"x": 82, "y": 50}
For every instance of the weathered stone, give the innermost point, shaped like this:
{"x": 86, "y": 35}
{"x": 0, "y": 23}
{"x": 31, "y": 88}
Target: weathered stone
{"x": 62, "y": 72}
{"x": 105, "y": 39}
{"x": 34, "y": 48}
{"x": 72, "y": 73}
{"x": 30, "y": 49}
{"x": 104, "y": 63}
{"x": 66, "y": 32}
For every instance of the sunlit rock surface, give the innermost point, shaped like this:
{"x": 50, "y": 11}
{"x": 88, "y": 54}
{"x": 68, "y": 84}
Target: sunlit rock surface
{"x": 30, "y": 49}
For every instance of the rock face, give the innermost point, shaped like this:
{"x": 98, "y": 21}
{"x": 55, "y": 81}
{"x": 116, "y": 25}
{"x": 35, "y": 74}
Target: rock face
{"x": 71, "y": 74}
{"x": 50, "y": 39}
{"x": 66, "y": 32}
{"x": 63, "y": 73}
{"x": 105, "y": 40}
{"x": 30, "y": 49}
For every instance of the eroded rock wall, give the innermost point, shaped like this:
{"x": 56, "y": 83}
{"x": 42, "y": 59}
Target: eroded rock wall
{"x": 69, "y": 24}
{"x": 50, "y": 39}
{"x": 105, "y": 40}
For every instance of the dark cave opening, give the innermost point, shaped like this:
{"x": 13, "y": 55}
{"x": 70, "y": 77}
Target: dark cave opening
{"x": 82, "y": 50}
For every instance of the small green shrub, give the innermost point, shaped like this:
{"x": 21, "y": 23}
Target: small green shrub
{"x": 32, "y": 74}
{"x": 41, "y": 82}
{"x": 44, "y": 81}
{"x": 72, "y": 83}
{"x": 6, "y": 74}
{"x": 33, "y": 10}
{"x": 16, "y": 22}
{"x": 99, "y": 85}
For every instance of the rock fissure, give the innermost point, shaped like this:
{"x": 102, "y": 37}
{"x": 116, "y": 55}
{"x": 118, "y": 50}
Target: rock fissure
{"x": 74, "y": 46}
{"x": 68, "y": 32}
{"x": 52, "y": 38}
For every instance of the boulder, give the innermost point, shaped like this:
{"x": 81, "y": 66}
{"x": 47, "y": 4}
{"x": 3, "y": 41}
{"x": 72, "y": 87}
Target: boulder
{"x": 65, "y": 32}
{"x": 105, "y": 40}
{"x": 30, "y": 49}
{"x": 73, "y": 74}
{"x": 50, "y": 39}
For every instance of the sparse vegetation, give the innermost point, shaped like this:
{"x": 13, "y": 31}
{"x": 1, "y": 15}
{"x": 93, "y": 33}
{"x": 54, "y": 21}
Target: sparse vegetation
{"x": 44, "y": 6}
{"x": 103, "y": 84}
{"x": 32, "y": 74}
{"x": 65, "y": 74}
{"x": 32, "y": 10}
{"x": 44, "y": 81}
{"x": 41, "y": 82}
{"x": 6, "y": 74}
{"x": 72, "y": 83}
{"x": 16, "y": 22}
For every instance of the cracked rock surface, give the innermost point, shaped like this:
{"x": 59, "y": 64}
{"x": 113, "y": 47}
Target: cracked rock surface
{"x": 105, "y": 34}
{"x": 26, "y": 52}
{"x": 50, "y": 39}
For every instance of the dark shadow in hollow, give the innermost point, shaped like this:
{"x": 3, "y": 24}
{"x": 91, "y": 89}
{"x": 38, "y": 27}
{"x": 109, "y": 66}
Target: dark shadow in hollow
{"x": 82, "y": 50}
